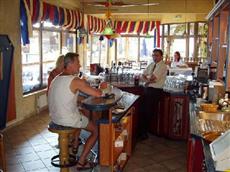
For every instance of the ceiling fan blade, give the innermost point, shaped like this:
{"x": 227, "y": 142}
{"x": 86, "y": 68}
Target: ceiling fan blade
{"x": 134, "y": 5}
{"x": 119, "y": 4}
{"x": 151, "y": 4}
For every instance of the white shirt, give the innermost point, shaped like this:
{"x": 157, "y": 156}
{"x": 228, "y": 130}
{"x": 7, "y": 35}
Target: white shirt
{"x": 176, "y": 64}
{"x": 160, "y": 72}
{"x": 63, "y": 102}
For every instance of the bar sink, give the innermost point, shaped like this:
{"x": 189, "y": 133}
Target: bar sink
{"x": 220, "y": 116}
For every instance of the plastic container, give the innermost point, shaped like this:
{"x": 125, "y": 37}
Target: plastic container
{"x": 212, "y": 108}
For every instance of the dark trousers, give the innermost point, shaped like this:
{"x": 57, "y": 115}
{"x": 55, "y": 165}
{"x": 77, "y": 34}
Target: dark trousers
{"x": 149, "y": 107}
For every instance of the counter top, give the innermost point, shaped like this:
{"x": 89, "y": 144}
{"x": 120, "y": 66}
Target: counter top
{"x": 102, "y": 103}
{"x": 126, "y": 102}
{"x": 124, "y": 84}
{"x": 195, "y": 132}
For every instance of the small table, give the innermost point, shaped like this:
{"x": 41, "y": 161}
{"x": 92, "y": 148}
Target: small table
{"x": 102, "y": 103}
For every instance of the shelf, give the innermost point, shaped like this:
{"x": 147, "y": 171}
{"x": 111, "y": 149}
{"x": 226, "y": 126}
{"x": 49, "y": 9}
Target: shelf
{"x": 117, "y": 134}
{"x": 117, "y": 151}
{"x": 123, "y": 163}
{"x": 112, "y": 132}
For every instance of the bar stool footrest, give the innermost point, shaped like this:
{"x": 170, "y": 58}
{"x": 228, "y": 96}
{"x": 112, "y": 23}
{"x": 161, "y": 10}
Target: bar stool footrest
{"x": 55, "y": 161}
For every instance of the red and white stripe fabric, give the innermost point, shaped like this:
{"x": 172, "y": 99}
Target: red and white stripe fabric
{"x": 135, "y": 26}
{"x": 95, "y": 24}
{"x": 38, "y": 11}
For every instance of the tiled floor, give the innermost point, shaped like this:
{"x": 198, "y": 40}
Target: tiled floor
{"x": 29, "y": 147}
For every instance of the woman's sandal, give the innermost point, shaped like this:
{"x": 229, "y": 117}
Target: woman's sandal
{"x": 86, "y": 165}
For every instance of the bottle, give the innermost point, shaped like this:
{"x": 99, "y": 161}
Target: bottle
{"x": 136, "y": 80}
{"x": 226, "y": 97}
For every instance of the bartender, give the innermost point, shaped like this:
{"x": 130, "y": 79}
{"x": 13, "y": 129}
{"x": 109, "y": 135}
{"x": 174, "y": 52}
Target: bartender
{"x": 154, "y": 77}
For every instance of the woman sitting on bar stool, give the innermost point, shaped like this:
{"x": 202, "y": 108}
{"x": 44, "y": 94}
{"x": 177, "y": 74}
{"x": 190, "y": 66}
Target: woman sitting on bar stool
{"x": 62, "y": 99}
{"x": 56, "y": 71}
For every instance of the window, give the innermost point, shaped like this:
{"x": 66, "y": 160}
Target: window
{"x": 99, "y": 50}
{"x": 184, "y": 38}
{"x": 128, "y": 47}
{"x": 177, "y": 29}
{"x": 146, "y": 48}
{"x": 39, "y": 57}
{"x": 31, "y": 64}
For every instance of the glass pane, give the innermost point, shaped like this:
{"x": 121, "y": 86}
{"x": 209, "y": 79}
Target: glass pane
{"x": 68, "y": 42}
{"x": 191, "y": 48}
{"x": 51, "y": 51}
{"x": 111, "y": 54}
{"x": 202, "y": 47}
{"x": 36, "y": 25}
{"x": 30, "y": 64}
{"x": 178, "y": 45}
{"x": 131, "y": 48}
{"x": 177, "y": 29}
{"x": 48, "y": 24}
{"x": 165, "y": 29}
{"x": 191, "y": 31}
{"x": 96, "y": 49}
{"x": 88, "y": 52}
{"x": 103, "y": 57}
{"x": 146, "y": 48}
{"x": 202, "y": 29}
{"x": 47, "y": 67}
{"x": 165, "y": 49}
{"x": 121, "y": 49}
{"x": 31, "y": 77}
{"x": 161, "y": 27}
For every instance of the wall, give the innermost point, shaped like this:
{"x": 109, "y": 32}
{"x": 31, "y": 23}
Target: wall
{"x": 10, "y": 25}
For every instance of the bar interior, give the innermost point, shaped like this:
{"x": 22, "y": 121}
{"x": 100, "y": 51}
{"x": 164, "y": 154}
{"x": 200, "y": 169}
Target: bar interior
{"x": 115, "y": 85}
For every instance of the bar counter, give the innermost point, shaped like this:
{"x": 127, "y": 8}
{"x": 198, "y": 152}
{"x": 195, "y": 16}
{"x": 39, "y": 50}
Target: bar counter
{"x": 116, "y": 131}
{"x": 202, "y": 159}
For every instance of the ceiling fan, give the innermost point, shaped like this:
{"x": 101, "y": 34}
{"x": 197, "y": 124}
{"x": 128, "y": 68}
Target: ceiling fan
{"x": 116, "y": 3}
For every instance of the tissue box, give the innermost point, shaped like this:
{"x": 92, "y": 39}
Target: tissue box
{"x": 119, "y": 142}
{"x": 122, "y": 157}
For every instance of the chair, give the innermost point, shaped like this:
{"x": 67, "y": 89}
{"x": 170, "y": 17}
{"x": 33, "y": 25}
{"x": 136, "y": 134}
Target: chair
{"x": 2, "y": 154}
{"x": 64, "y": 159}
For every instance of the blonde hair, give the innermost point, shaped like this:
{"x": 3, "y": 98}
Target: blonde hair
{"x": 59, "y": 61}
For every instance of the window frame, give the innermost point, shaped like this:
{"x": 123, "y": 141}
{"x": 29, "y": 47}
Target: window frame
{"x": 138, "y": 36}
{"x": 41, "y": 28}
{"x": 187, "y": 36}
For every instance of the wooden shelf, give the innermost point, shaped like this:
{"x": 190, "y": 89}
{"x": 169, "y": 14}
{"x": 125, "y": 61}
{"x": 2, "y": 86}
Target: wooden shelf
{"x": 117, "y": 151}
{"x": 109, "y": 134}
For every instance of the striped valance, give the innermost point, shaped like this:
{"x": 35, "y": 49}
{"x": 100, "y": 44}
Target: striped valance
{"x": 95, "y": 24}
{"x": 135, "y": 26}
{"x": 33, "y": 11}
{"x": 139, "y": 27}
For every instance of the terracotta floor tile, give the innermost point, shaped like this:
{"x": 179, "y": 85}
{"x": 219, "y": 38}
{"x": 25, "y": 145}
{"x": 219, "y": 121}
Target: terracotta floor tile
{"x": 28, "y": 157}
{"x": 31, "y": 150}
{"x": 173, "y": 164}
{"x": 15, "y": 168}
{"x": 33, "y": 165}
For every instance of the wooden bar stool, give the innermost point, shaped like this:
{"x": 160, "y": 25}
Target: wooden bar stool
{"x": 64, "y": 160}
{"x": 2, "y": 154}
